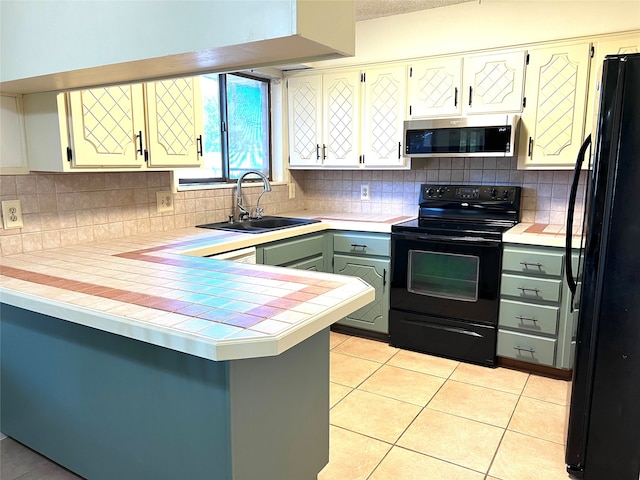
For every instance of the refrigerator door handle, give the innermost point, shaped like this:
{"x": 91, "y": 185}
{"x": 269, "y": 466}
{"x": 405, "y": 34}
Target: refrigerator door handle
{"x": 572, "y": 204}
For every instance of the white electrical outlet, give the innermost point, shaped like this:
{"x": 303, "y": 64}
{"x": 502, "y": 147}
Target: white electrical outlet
{"x": 365, "y": 194}
{"x": 165, "y": 201}
{"x": 12, "y": 214}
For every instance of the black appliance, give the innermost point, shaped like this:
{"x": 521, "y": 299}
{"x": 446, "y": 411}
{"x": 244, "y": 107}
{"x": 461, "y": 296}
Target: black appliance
{"x": 603, "y": 440}
{"x": 445, "y": 271}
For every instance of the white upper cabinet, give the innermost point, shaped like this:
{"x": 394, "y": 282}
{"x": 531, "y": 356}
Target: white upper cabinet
{"x": 553, "y": 121}
{"x": 383, "y": 117}
{"x": 453, "y": 86}
{"x": 157, "y": 125}
{"x": 305, "y": 120}
{"x": 175, "y": 122}
{"x": 494, "y": 83}
{"x": 610, "y": 45}
{"x": 347, "y": 118}
{"x": 435, "y": 87}
{"x": 324, "y": 119}
{"x": 341, "y": 118}
{"x": 13, "y": 149}
{"x": 107, "y": 127}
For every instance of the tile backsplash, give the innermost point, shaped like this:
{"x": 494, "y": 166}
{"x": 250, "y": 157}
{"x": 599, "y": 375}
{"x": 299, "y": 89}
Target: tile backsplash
{"x": 544, "y": 197}
{"x": 75, "y": 208}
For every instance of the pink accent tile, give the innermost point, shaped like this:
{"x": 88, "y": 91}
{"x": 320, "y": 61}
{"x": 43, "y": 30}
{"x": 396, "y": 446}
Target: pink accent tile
{"x": 283, "y": 303}
{"x": 315, "y": 289}
{"x": 265, "y": 311}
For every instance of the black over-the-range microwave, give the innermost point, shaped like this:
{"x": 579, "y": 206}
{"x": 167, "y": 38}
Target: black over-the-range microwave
{"x": 473, "y": 136}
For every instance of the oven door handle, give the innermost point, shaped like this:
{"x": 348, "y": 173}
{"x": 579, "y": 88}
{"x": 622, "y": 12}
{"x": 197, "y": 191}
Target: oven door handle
{"x": 450, "y": 238}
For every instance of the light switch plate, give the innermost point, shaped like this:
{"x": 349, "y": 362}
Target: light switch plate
{"x": 12, "y": 214}
{"x": 164, "y": 201}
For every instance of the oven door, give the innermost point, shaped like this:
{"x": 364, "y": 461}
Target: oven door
{"x": 446, "y": 277}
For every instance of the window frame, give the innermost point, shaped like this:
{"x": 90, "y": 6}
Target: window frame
{"x": 226, "y": 179}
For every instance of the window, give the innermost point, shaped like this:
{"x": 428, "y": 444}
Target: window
{"x": 236, "y": 129}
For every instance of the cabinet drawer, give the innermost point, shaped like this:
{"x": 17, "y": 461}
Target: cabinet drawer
{"x": 527, "y": 348}
{"x": 293, "y": 250}
{"x": 528, "y": 317}
{"x": 362, "y": 243}
{"x": 533, "y": 262}
{"x": 531, "y": 289}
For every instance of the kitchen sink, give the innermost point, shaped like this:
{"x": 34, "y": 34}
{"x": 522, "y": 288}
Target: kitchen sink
{"x": 260, "y": 225}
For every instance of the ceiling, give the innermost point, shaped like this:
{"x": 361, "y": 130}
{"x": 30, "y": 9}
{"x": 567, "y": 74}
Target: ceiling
{"x": 368, "y": 9}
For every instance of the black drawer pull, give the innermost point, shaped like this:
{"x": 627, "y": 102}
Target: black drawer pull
{"x": 524, "y": 290}
{"x": 520, "y": 349}
{"x": 527, "y": 265}
{"x": 355, "y": 246}
{"x": 521, "y": 318}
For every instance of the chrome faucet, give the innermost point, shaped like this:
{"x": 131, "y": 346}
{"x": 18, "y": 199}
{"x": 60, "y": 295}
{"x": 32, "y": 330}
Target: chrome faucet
{"x": 243, "y": 213}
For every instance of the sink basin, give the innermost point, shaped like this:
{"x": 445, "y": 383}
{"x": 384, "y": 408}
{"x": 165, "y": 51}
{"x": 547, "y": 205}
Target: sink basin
{"x": 259, "y": 225}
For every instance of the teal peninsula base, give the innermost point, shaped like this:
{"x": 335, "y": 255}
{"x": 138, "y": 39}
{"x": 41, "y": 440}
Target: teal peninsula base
{"x": 107, "y": 406}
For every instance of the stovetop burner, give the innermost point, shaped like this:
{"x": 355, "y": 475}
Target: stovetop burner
{"x": 465, "y": 210}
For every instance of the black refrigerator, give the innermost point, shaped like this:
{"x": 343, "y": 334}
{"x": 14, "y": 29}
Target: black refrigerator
{"x": 603, "y": 439}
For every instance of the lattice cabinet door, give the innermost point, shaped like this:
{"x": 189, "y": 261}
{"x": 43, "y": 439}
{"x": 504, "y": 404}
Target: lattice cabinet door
{"x": 305, "y": 120}
{"x": 553, "y": 121}
{"x": 108, "y": 127}
{"x": 174, "y": 112}
{"x": 374, "y": 271}
{"x": 383, "y": 117}
{"x": 435, "y": 87}
{"x": 341, "y": 118}
{"x": 610, "y": 45}
{"x": 494, "y": 83}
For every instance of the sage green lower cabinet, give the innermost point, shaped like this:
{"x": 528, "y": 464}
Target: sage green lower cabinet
{"x": 306, "y": 252}
{"x": 535, "y": 323}
{"x": 366, "y": 255}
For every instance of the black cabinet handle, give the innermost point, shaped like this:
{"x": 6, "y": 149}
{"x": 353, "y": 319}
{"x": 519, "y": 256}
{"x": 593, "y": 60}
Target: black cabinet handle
{"x": 199, "y": 145}
{"x": 399, "y": 150}
{"x": 530, "y": 146}
{"x": 455, "y": 97}
{"x": 470, "y": 94}
{"x": 384, "y": 277}
{"x": 317, "y": 152}
{"x": 324, "y": 151}
{"x": 521, "y": 318}
{"x": 139, "y": 137}
{"x": 355, "y": 246}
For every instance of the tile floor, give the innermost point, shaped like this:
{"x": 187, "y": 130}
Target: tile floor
{"x": 400, "y": 415}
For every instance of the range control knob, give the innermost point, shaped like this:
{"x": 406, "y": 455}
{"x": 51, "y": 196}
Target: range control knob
{"x": 440, "y": 191}
{"x": 493, "y": 192}
{"x": 428, "y": 192}
{"x": 505, "y": 194}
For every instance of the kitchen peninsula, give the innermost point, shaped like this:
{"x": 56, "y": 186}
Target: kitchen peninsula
{"x": 140, "y": 359}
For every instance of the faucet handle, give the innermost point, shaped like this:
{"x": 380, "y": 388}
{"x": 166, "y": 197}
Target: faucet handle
{"x": 231, "y": 218}
{"x": 259, "y": 212}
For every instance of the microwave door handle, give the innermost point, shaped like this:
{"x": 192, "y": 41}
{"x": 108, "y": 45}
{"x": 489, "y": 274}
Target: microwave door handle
{"x": 571, "y": 283}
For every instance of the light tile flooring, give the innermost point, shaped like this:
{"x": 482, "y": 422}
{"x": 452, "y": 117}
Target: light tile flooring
{"x": 400, "y": 415}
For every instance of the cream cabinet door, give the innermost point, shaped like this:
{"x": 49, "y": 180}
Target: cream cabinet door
{"x": 108, "y": 127}
{"x": 552, "y": 126}
{"x": 341, "y": 118}
{"x": 383, "y": 117}
{"x": 610, "y": 45}
{"x": 175, "y": 125}
{"x": 305, "y": 121}
{"x": 435, "y": 87}
{"x": 494, "y": 83}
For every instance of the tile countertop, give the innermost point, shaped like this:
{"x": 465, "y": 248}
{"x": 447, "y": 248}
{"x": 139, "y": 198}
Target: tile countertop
{"x": 541, "y": 234}
{"x": 157, "y": 288}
